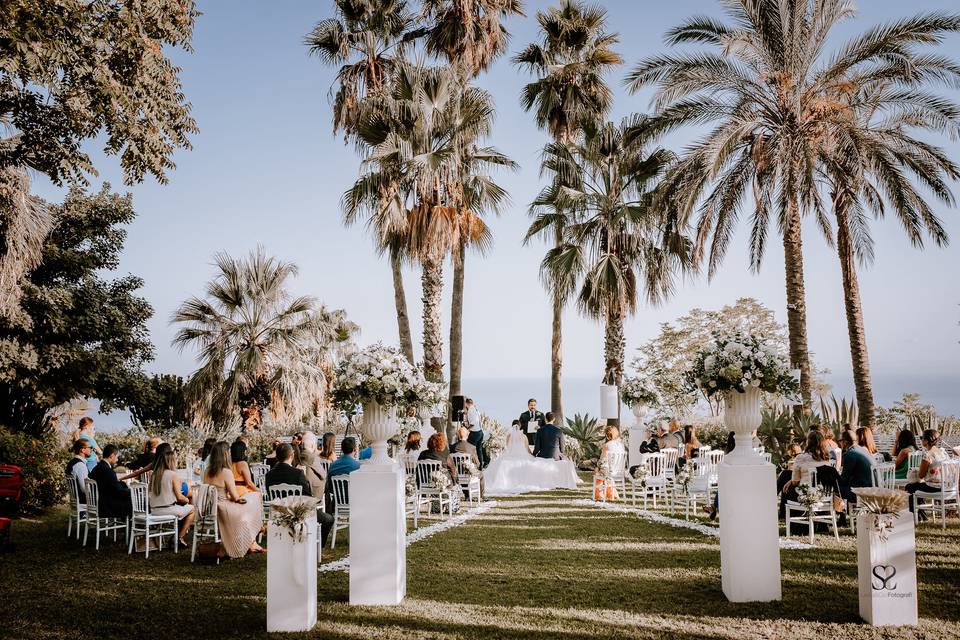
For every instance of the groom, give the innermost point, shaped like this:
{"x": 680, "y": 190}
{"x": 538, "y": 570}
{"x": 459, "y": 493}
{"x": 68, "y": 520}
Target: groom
{"x": 548, "y": 442}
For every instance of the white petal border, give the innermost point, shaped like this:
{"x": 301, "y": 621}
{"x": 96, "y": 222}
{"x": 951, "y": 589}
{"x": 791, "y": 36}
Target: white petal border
{"x": 699, "y": 527}
{"x": 422, "y": 533}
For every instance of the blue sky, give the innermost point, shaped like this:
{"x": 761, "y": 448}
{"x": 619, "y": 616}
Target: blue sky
{"x": 265, "y": 168}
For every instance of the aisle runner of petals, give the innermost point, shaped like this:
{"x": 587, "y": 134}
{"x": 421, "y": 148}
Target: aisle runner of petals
{"x": 421, "y": 534}
{"x": 699, "y": 527}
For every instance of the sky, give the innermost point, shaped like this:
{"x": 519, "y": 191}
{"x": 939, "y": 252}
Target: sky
{"x": 266, "y": 169}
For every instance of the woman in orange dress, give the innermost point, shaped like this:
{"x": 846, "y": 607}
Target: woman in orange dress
{"x": 241, "y": 470}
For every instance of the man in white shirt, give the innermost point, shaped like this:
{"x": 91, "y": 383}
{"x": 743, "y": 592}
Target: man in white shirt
{"x": 77, "y": 467}
{"x": 475, "y": 436}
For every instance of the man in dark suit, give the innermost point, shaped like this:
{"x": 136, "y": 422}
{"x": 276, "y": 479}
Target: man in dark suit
{"x": 549, "y": 440}
{"x": 528, "y": 416}
{"x": 114, "y": 498}
{"x": 285, "y": 473}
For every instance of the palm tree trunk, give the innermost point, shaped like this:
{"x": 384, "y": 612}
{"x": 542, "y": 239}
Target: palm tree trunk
{"x": 400, "y": 300}
{"x": 851, "y": 300}
{"x": 432, "y": 280}
{"x": 796, "y": 304}
{"x": 614, "y": 346}
{"x": 456, "y": 322}
{"x": 556, "y": 358}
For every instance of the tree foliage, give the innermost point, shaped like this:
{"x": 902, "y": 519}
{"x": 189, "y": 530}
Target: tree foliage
{"x": 79, "y": 334}
{"x": 162, "y": 404}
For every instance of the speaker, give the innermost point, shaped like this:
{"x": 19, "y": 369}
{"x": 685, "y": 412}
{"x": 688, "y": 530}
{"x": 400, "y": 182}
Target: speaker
{"x": 456, "y": 408}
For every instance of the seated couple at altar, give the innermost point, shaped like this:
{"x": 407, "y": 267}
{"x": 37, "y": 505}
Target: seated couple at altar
{"x": 520, "y": 470}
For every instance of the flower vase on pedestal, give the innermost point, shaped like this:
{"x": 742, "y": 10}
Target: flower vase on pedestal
{"x": 749, "y": 529}
{"x": 637, "y": 433}
{"x": 887, "y": 568}
{"x": 292, "y": 577}
{"x": 378, "y": 551}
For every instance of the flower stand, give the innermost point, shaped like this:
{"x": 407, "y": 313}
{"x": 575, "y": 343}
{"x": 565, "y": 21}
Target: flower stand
{"x": 887, "y": 570}
{"x": 378, "y": 527}
{"x": 292, "y": 578}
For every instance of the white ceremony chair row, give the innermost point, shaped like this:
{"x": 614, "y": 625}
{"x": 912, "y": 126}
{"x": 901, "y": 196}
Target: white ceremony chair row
{"x": 823, "y": 511}
{"x": 655, "y": 484}
{"x": 884, "y": 475}
{"x": 142, "y": 523}
{"x": 428, "y": 491}
{"x": 258, "y": 473}
{"x": 341, "y": 505}
{"x": 99, "y": 525}
{"x": 934, "y": 502}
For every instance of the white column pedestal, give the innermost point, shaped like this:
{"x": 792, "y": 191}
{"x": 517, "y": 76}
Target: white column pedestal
{"x": 749, "y": 533}
{"x": 637, "y": 434}
{"x": 292, "y": 579}
{"x": 887, "y": 572}
{"x": 378, "y": 550}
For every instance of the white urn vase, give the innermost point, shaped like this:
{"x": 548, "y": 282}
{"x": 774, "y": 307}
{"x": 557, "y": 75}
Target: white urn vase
{"x": 426, "y": 429}
{"x": 379, "y": 425}
{"x": 639, "y": 413}
{"x": 741, "y": 414}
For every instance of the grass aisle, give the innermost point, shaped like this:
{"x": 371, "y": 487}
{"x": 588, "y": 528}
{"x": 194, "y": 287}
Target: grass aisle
{"x": 537, "y": 566}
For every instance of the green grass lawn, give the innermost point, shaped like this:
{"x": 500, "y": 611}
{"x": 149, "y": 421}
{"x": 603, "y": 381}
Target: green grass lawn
{"x": 534, "y": 567}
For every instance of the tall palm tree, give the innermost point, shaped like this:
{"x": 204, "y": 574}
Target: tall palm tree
{"x": 368, "y": 39}
{"x": 469, "y": 35}
{"x": 866, "y": 167}
{"x": 259, "y": 347}
{"x": 25, "y": 222}
{"x": 616, "y": 247}
{"x": 416, "y": 160}
{"x": 570, "y": 63}
{"x": 768, "y": 88}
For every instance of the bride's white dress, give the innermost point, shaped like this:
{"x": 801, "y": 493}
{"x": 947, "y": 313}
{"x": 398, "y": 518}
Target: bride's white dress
{"x": 517, "y": 471}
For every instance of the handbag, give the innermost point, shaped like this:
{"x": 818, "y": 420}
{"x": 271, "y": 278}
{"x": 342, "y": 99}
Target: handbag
{"x": 209, "y": 553}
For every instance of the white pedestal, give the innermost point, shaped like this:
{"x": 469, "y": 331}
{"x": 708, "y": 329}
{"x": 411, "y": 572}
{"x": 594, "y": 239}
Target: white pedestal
{"x": 637, "y": 435}
{"x": 378, "y": 550}
{"x": 749, "y": 533}
{"x": 292, "y": 579}
{"x": 887, "y": 572}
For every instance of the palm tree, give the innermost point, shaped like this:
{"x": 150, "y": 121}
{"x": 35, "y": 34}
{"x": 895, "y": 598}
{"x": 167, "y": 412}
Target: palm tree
{"x": 25, "y": 222}
{"x": 770, "y": 92}
{"x": 866, "y": 168}
{"x": 616, "y": 247}
{"x": 369, "y": 38}
{"x": 570, "y": 63}
{"x": 470, "y": 35}
{"x": 259, "y": 348}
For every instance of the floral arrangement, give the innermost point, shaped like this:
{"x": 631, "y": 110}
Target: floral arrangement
{"x": 292, "y": 513}
{"x": 740, "y": 361}
{"x": 634, "y": 392}
{"x": 604, "y": 472}
{"x": 495, "y": 436}
{"x": 440, "y": 479}
{"x": 471, "y": 468}
{"x": 640, "y": 474}
{"x": 382, "y": 374}
{"x": 410, "y": 487}
{"x": 809, "y": 495}
{"x": 682, "y": 478}
{"x": 408, "y": 425}
{"x": 885, "y": 504}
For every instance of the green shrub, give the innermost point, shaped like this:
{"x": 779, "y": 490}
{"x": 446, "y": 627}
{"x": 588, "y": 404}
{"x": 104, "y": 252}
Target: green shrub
{"x": 43, "y": 460}
{"x": 587, "y": 433}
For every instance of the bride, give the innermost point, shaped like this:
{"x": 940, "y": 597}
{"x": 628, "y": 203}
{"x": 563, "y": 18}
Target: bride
{"x": 517, "y": 471}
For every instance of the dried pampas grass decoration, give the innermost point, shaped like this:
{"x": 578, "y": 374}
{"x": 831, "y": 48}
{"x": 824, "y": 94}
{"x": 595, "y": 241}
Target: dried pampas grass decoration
{"x": 879, "y": 501}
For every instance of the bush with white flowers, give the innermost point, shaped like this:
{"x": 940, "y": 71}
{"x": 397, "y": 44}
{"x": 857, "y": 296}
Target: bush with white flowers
{"x": 740, "y": 361}
{"x": 383, "y": 375}
{"x": 634, "y": 392}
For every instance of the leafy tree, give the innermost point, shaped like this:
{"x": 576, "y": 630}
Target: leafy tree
{"x": 570, "y": 62}
{"x": 162, "y": 404}
{"x": 79, "y": 334}
{"x": 72, "y": 71}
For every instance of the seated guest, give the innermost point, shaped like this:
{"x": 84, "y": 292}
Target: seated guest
{"x": 241, "y": 470}
{"x": 145, "y": 459}
{"x": 613, "y": 444}
{"x": 786, "y": 474}
{"x": 673, "y": 439}
{"x": 328, "y": 448}
{"x": 856, "y": 467}
{"x": 366, "y": 453}
{"x": 463, "y": 446}
{"x": 284, "y": 472}
{"x": 77, "y": 467}
{"x": 133, "y": 473}
{"x": 297, "y": 439}
{"x": 928, "y": 475}
{"x": 865, "y": 440}
{"x": 309, "y": 455}
{"x": 204, "y": 454}
{"x": 814, "y": 457}
{"x": 239, "y": 517}
{"x": 691, "y": 447}
{"x": 347, "y": 462}
{"x": 166, "y": 494}
{"x": 114, "y": 495}
{"x": 271, "y": 458}
{"x": 651, "y": 445}
{"x": 411, "y": 448}
{"x": 902, "y": 448}
{"x": 437, "y": 450}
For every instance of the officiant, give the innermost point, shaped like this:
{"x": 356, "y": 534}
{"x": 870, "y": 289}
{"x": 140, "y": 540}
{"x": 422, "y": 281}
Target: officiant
{"x": 531, "y": 415}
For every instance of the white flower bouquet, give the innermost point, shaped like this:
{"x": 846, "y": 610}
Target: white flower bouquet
{"x": 441, "y": 480}
{"x": 640, "y": 474}
{"x": 634, "y": 392}
{"x": 383, "y": 375}
{"x": 472, "y": 470}
{"x": 682, "y": 479}
{"x": 809, "y": 495}
{"x": 740, "y": 361}
{"x": 410, "y": 487}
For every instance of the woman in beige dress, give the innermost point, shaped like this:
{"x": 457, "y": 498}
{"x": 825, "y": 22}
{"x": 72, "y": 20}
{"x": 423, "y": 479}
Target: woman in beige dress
{"x": 239, "y": 517}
